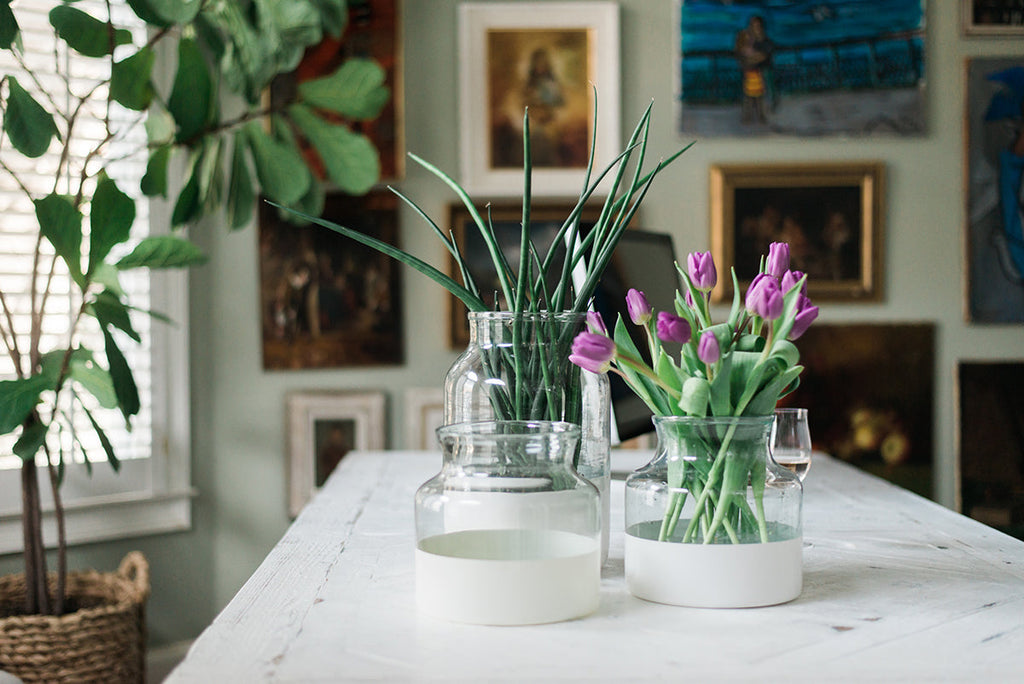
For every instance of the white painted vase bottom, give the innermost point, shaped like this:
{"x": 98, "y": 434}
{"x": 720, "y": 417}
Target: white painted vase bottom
{"x": 508, "y": 577}
{"x": 714, "y": 575}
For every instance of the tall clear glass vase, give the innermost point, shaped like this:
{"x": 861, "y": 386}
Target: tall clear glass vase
{"x": 517, "y": 367}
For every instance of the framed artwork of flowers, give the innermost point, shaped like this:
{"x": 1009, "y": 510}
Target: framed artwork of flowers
{"x": 322, "y": 428}
{"x": 830, "y": 214}
{"x": 550, "y": 57}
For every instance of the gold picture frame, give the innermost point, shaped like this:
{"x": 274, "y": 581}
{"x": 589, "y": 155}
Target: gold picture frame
{"x": 829, "y": 213}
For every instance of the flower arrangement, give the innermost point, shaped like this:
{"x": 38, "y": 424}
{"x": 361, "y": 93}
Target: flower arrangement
{"x": 741, "y": 367}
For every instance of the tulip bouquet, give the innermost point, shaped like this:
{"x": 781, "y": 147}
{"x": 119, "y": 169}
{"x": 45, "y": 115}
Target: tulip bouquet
{"x": 737, "y": 368}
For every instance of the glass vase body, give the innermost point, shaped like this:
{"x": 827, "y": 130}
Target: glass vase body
{"x": 516, "y": 367}
{"x": 508, "y": 532}
{"x": 715, "y": 503}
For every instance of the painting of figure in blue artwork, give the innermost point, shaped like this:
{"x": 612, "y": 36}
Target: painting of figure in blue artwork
{"x": 805, "y": 68}
{"x": 995, "y": 203}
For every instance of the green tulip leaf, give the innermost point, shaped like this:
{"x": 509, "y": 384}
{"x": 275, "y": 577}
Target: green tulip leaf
{"x": 241, "y": 198}
{"x": 192, "y": 94}
{"x": 355, "y": 90}
{"x": 8, "y": 25}
{"x": 130, "y": 83}
{"x": 110, "y": 220}
{"x": 282, "y": 172}
{"x": 696, "y": 395}
{"x": 351, "y": 160}
{"x": 154, "y": 182}
{"x": 86, "y": 34}
{"x": 29, "y": 126}
{"x": 61, "y": 224}
{"x": 163, "y": 251}
{"x": 19, "y": 397}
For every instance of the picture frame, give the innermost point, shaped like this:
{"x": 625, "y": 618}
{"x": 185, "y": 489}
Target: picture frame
{"x": 829, "y": 213}
{"x": 374, "y": 30}
{"x": 328, "y": 301}
{"x": 424, "y": 413}
{"x": 990, "y": 454}
{"x": 993, "y": 167}
{"x": 762, "y": 68}
{"x": 323, "y": 426}
{"x": 545, "y": 219}
{"x": 552, "y": 57}
{"x": 992, "y": 17}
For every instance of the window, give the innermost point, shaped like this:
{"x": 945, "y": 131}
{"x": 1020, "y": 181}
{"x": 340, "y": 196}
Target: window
{"x": 152, "y": 491}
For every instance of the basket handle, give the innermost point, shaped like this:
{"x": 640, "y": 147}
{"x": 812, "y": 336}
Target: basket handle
{"x": 135, "y": 568}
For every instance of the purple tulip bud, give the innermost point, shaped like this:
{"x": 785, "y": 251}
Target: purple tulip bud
{"x": 638, "y": 307}
{"x": 778, "y": 259}
{"x": 806, "y": 313}
{"x": 708, "y": 349}
{"x": 791, "y": 278}
{"x": 689, "y": 298}
{"x": 672, "y": 328}
{"x": 764, "y": 298}
{"x": 593, "y": 352}
{"x": 596, "y": 323}
{"x": 702, "y": 271}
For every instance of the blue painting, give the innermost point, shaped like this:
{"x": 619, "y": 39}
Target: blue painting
{"x": 801, "y": 67}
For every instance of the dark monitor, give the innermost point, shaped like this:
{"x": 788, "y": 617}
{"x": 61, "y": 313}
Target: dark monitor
{"x": 645, "y": 261}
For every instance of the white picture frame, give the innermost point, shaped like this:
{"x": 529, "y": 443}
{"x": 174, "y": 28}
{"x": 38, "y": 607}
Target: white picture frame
{"x": 322, "y": 427}
{"x": 424, "y": 413}
{"x": 556, "y": 35}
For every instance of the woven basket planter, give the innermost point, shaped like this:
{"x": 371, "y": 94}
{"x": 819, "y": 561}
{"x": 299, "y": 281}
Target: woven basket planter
{"x": 103, "y": 641}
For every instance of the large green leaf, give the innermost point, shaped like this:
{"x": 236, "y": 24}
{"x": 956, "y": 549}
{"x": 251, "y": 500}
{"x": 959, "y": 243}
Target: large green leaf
{"x": 282, "y": 172}
{"x": 110, "y": 220}
{"x": 86, "y": 34}
{"x": 187, "y": 207}
{"x": 351, "y": 160}
{"x": 31, "y": 440}
{"x": 355, "y": 90}
{"x": 209, "y": 173}
{"x": 18, "y": 398}
{"x": 29, "y": 126}
{"x": 110, "y": 311}
{"x": 154, "y": 182}
{"x": 241, "y": 198}
{"x": 163, "y": 251}
{"x": 124, "y": 383}
{"x": 130, "y": 82}
{"x": 333, "y": 15}
{"x": 61, "y": 224}
{"x": 8, "y": 25}
{"x": 166, "y": 12}
{"x": 192, "y": 94}
{"x": 108, "y": 448}
{"x": 95, "y": 380}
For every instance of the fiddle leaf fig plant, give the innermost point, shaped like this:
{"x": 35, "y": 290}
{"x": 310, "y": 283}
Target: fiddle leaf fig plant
{"x": 208, "y": 124}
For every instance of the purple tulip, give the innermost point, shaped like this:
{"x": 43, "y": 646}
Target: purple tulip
{"x": 708, "y": 349}
{"x": 638, "y": 307}
{"x": 672, "y": 328}
{"x": 791, "y": 278}
{"x": 689, "y": 298}
{"x": 778, "y": 259}
{"x": 596, "y": 323}
{"x": 702, "y": 271}
{"x": 806, "y": 313}
{"x": 764, "y": 298}
{"x": 593, "y": 352}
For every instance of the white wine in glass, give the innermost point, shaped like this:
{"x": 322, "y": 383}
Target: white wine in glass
{"x": 791, "y": 440}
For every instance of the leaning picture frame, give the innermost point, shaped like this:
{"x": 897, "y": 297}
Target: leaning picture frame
{"x": 424, "y": 413}
{"x": 992, "y": 18}
{"x": 553, "y": 58}
{"x": 830, "y": 214}
{"x": 323, "y": 426}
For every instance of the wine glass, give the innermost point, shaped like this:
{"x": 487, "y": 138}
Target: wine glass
{"x": 791, "y": 440}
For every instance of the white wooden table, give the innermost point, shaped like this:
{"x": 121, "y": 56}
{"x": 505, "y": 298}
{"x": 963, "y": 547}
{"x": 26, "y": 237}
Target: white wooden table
{"x": 896, "y": 588}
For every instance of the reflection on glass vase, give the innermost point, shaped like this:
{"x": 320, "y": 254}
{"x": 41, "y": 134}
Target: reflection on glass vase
{"x": 508, "y": 533}
{"x": 517, "y": 367}
{"x": 712, "y": 521}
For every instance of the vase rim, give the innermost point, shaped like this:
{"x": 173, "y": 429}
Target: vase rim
{"x": 542, "y": 315}
{"x": 496, "y": 428}
{"x": 724, "y": 420}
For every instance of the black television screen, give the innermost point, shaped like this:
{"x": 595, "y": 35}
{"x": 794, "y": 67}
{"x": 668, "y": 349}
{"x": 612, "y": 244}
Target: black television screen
{"x": 646, "y": 261}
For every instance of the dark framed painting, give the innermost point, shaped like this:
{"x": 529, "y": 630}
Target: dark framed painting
{"x": 833, "y": 67}
{"x": 373, "y": 31}
{"x": 869, "y": 391}
{"x": 829, "y": 214}
{"x": 545, "y": 222}
{"x": 328, "y": 301}
{"x": 994, "y": 168}
{"x": 990, "y": 443}
{"x": 992, "y": 17}
{"x": 549, "y": 57}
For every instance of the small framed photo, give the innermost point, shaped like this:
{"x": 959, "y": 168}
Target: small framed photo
{"x": 322, "y": 428}
{"x": 424, "y": 413}
{"x": 545, "y": 222}
{"x": 992, "y": 17}
{"x": 830, "y": 214}
{"x": 548, "y": 57}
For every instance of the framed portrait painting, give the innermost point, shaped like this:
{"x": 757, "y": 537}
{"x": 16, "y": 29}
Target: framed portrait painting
{"x": 322, "y": 428}
{"x": 994, "y": 160}
{"x": 829, "y": 214}
{"x": 549, "y": 57}
{"x": 328, "y": 301}
{"x": 992, "y": 17}
{"x": 776, "y": 67}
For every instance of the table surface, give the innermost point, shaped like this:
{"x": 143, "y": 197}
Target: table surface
{"x": 896, "y": 588}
